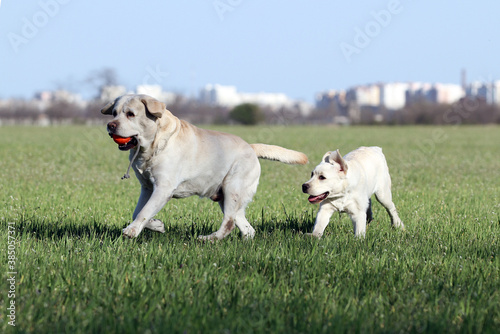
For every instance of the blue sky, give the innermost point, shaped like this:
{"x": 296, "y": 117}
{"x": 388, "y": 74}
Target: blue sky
{"x": 295, "y": 47}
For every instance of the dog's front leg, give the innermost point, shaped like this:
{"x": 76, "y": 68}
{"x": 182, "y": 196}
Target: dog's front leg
{"x": 359, "y": 223}
{"x": 326, "y": 210}
{"x": 159, "y": 197}
{"x": 153, "y": 224}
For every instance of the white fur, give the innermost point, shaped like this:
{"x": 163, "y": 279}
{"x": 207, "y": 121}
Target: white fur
{"x": 177, "y": 160}
{"x": 347, "y": 185}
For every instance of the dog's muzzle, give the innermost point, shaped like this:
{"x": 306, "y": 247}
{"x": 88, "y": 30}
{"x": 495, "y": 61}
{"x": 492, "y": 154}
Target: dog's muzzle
{"x": 314, "y": 199}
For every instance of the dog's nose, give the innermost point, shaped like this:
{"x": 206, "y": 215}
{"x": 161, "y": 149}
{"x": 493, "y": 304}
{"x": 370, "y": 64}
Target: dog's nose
{"x": 112, "y": 126}
{"x": 305, "y": 188}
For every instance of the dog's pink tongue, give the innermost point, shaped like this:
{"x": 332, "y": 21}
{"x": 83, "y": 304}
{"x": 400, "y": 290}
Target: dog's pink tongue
{"x": 315, "y": 199}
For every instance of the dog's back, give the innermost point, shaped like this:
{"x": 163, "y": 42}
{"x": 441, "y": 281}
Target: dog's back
{"x": 372, "y": 167}
{"x": 364, "y": 153}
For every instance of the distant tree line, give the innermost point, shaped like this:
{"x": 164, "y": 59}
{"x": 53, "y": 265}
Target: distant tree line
{"x": 58, "y": 111}
{"x": 466, "y": 111}
{"x": 469, "y": 110}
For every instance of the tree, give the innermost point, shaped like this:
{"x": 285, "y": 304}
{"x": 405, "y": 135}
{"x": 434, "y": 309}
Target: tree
{"x": 60, "y": 110}
{"x": 102, "y": 78}
{"x": 247, "y": 114}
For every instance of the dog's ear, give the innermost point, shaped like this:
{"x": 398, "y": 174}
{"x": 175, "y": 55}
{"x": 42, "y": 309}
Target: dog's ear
{"x": 108, "y": 108}
{"x": 153, "y": 106}
{"x": 337, "y": 157}
{"x": 326, "y": 157}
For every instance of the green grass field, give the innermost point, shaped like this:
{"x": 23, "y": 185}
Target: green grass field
{"x": 62, "y": 198}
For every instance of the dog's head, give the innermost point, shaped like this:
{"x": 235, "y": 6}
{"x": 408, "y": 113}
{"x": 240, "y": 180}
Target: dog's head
{"x": 328, "y": 179}
{"x": 134, "y": 116}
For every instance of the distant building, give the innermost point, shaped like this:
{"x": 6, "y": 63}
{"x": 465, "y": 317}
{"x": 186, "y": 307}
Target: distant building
{"x": 44, "y": 96}
{"x": 437, "y": 93}
{"x": 42, "y": 100}
{"x": 228, "y": 96}
{"x": 488, "y": 91}
{"x": 332, "y": 98}
{"x": 304, "y": 108}
{"x": 151, "y": 90}
{"x": 417, "y": 92}
{"x": 393, "y": 95}
{"x": 65, "y": 96}
{"x": 110, "y": 93}
{"x": 335, "y": 104}
{"x": 364, "y": 96}
{"x": 275, "y": 100}
{"x": 445, "y": 93}
{"x": 59, "y": 96}
{"x": 157, "y": 92}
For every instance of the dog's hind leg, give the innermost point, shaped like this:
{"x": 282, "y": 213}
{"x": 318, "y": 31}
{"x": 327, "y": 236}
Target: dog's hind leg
{"x": 246, "y": 230}
{"x": 250, "y": 188}
{"x": 238, "y": 190}
{"x": 246, "y": 194}
{"x": 234, "y": 215}
{"x": 384, "y": 196}
{"x": 227, "y": 225}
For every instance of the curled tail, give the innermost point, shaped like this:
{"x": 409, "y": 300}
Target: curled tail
{"x": 278, "y": 153}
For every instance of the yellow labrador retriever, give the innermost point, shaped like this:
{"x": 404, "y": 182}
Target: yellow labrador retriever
{"x": 346, "y": 184}
{"x": 174, "y": 159}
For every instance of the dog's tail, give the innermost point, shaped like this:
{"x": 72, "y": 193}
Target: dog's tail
{"x": 278, "y": 153}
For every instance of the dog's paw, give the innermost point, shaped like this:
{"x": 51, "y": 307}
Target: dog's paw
{"x": 398, "y": 224}
{"x": 130, "y": 231}
{"x": 249, "y": 234}
{"x": 155, "y": 225}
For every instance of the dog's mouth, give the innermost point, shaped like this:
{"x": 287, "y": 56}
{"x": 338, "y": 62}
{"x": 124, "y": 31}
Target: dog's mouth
{"x": 319, "y": 198}
{"x": 128, "y": 146}
{"x": 125, "y": 143}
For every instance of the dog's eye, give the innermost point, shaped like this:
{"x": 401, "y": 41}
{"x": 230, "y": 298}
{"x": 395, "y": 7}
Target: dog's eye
{"x": 321, "y": 177}
{"x": 312, "y": 174}
{"x": 130, "y": 114}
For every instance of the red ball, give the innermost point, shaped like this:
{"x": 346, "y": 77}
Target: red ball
{"x": 121, "y": 140}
